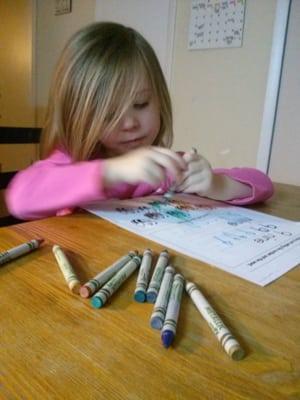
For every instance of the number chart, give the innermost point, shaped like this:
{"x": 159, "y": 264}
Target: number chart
{"x": 216, "y": 24}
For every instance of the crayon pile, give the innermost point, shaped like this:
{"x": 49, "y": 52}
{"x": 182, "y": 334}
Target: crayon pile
{"x": 164, "y": 289}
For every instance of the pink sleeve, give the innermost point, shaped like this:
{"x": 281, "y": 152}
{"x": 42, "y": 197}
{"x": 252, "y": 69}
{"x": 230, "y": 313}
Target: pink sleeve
{"x": 54, "y": 186}
{"x": 260, "y": 183}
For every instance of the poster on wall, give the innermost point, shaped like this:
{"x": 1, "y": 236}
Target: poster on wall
{"x": 216, "y": 24}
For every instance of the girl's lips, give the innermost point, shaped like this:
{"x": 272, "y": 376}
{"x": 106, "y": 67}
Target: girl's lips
{"x": 133, "y": 141}
{"x": 137, "y": 139}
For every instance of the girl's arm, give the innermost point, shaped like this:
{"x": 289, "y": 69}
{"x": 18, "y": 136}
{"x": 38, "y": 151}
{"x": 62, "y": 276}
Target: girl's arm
{"x": 51, "y": 186}
{"x": 241, "y": 186}
{"x": 56, "y": 185}
{"x": 238, "y": 186}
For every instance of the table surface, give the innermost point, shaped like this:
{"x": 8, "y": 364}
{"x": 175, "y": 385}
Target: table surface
{"x": 54, "y": 345}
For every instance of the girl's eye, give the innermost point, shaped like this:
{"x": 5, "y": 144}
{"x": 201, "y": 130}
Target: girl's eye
{"x": 139, "y": 106}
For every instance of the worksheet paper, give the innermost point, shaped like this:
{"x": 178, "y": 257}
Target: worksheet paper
{"x": 246, "y": 243}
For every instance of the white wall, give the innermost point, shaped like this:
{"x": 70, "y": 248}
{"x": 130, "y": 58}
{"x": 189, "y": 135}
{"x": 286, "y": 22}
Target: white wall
{"x": 52, "y": 33}
{"x": 154, "y": 19}
{"x": 218, "y": 94}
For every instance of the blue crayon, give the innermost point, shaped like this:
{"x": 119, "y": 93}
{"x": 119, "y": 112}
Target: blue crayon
{"x": 170, "y": 323}
{"x": 161, "y": 303}
{"x": 167, "y": 338}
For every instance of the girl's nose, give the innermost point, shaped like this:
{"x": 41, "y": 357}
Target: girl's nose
{"x": 129, "y": 122}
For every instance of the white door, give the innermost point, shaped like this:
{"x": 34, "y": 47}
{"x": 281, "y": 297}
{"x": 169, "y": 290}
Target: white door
{"x": 285, "y": 153}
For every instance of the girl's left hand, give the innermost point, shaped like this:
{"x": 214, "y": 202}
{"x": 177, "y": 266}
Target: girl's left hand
{"x": 198, "y": 178}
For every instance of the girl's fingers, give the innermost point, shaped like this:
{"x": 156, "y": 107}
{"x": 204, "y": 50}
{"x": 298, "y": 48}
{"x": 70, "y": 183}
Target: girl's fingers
{"x": 166, "y": 161}
{"x": 189, "y": 181}
{"x": 178, "y": 159}
{"x": 153, "y": 174}
{"x": 196, "y": 183}
{"x": 194, "y": 167}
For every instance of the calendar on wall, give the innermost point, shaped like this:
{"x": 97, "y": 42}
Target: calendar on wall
{"x": 216, "y": 24}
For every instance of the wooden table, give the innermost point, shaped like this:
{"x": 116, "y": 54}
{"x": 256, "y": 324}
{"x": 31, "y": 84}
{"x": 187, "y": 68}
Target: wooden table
{"x": 54, "y": 345}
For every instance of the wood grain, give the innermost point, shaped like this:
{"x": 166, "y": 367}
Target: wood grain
{"x": 54, "y": 345}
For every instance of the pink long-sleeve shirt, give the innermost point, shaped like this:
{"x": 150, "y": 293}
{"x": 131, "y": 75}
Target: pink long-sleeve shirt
{"x": 57, "y": 185}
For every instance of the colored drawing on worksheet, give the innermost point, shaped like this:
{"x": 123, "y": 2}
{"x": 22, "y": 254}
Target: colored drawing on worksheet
{"x": 252, "y": 245}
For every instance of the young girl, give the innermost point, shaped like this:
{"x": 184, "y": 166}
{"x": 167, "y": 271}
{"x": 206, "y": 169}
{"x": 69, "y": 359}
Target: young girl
{"x": 108, "y": 131}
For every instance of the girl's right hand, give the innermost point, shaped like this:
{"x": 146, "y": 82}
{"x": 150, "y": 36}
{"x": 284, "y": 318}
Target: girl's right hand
{"x": 147, "y": 164}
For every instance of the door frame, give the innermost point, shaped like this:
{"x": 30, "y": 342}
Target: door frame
{"x": 273, "y": 84}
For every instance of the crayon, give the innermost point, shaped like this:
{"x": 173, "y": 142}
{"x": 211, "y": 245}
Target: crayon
{"x": 93, "y": 285}
{"x": 170, "y": 324}
{"x": 20, "y": 250}
{"x": 140, "y": 292}
{"x": 66, "y": 269}
{"x": 224, "y": 336}
{"x": 157, "y": 276}
{"x": 101, "y": 297}
{"x": 160, "y": 307}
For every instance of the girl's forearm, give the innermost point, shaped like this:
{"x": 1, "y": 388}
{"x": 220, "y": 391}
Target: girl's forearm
{"x": 225, "y": 188}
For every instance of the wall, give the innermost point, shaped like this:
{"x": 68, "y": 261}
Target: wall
{"x": 153, "y": 19}
{"x": 284, "y": 163}
{"x": 52, "y": 34}
{"x": 218, "y": 94}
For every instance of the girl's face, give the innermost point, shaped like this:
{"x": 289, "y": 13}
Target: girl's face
{"x": 138, "y": 127}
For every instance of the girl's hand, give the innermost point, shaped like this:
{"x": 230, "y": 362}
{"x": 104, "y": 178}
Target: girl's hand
{"x": 198, "y": 178}
{"x": 147, "y": 164}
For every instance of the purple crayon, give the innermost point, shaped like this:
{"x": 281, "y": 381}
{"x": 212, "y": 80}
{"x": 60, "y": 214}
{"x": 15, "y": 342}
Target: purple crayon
{"x": 169, "y": 328}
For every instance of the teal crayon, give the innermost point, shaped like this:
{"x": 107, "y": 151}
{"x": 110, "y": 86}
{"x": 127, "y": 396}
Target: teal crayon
{"x": 20, "y": 250}
{"x": 140, "y": 292}
{"x": 101, "y": 297}
{"x": 93, "y": 285}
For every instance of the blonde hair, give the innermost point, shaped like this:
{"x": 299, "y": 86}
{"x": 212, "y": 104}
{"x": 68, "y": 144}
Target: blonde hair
{"x": 95, "y": 81}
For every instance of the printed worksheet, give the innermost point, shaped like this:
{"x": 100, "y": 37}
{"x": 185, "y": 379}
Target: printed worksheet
{"x": 252, "y": 245}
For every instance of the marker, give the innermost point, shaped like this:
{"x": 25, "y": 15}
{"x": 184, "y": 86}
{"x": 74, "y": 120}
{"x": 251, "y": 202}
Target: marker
{"x": 224, "y": 336}
{"x": 161, "y": 304}
{"x": 93, "y": 285}
{"x": 66, "y": 269}
{"x": 101, "y": 297}
{"x": 20, "y": 250}
{"x": 171, "y": 192}
{"x": 157, "y": 276}
{"x": 170, "y": 324}
{"x": 143, "y": 277}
